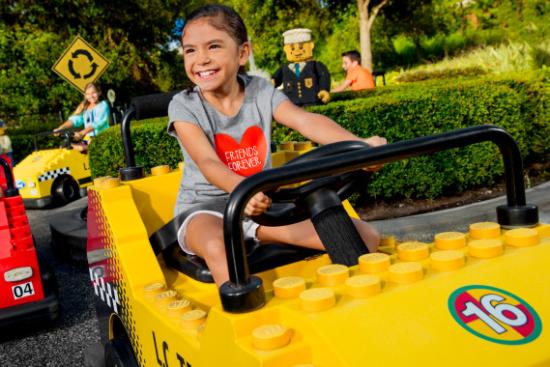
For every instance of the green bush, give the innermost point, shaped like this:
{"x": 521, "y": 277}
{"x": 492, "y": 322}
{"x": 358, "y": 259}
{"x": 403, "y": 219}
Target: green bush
{"x": 454, "y": 43}
{"x": 152, "y": 145}
{"x": 397, "y": 112}
{"x": 405, "y": 48}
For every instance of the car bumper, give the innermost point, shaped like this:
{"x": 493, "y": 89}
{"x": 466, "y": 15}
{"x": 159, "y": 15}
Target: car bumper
{"x": 37, "y": 203}
{"x": 45, "y": 310}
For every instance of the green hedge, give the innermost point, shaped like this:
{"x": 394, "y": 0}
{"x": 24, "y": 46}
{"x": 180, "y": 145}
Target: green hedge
{"x": 398, "y": 113}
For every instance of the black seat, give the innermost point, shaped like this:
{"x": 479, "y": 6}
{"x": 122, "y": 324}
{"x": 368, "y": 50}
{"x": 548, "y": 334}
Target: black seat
{"x": 260, "y": 257}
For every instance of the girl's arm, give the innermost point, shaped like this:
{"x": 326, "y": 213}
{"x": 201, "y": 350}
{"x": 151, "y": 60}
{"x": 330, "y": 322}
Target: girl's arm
{"x": 213, "y": 169}
{"x": 316, "y": 127}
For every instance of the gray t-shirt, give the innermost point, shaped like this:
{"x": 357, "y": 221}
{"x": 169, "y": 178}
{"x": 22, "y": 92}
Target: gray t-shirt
{"x": 242, "y": 141}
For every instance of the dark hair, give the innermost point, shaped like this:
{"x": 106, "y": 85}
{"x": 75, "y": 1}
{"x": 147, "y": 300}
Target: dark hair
{"x": 222, "y": 18}
{"x": 353, "y": 56}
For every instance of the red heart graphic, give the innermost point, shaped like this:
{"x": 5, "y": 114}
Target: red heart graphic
{"x": 245, "y": 158}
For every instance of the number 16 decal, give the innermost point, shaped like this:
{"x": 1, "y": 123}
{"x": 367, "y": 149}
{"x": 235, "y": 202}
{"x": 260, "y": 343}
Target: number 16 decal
{"x": 494, "y": 314}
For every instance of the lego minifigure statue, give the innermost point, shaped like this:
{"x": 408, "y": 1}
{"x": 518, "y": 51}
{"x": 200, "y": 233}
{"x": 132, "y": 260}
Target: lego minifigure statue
{"x": 5, "y": 142}
{"x": 305, "y": 81}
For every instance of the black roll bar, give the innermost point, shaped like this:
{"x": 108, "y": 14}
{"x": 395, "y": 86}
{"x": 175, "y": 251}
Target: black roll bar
{"x": 153, "y": 105}
{"x": 11, "y": 190}
{"x": 244, "y": 292}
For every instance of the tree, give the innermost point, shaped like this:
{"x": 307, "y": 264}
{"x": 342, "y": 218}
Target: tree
{"x": 366, "y": 19}
{"x": 133, "y": 35}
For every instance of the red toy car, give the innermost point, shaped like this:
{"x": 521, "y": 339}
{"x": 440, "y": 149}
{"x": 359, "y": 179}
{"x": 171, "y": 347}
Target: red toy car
{"x": 27, "y": 290}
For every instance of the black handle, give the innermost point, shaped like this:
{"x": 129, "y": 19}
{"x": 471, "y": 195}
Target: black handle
{"x": 150, "y": 106}
{"x": 515, "y": 213}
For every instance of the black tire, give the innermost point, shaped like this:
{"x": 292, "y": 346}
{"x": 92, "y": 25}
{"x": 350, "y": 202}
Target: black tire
{"x": 69, "y": 233}
{"x": 118, "y": 353}
{"x": 65, "y": 189}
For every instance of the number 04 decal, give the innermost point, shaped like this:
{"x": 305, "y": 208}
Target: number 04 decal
{"x": 494, "y": 314}
{"x": 22, "y": 290}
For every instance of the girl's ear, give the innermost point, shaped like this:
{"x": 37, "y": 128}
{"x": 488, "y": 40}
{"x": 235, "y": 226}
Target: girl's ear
{"x": 244, "y": 53}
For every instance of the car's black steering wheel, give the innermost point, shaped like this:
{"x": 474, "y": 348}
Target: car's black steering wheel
{"x": 293, "y": 205}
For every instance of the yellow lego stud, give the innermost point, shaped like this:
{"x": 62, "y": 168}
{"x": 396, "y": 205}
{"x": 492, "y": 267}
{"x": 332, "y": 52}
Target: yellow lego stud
{"x": 99, "y": 180}
{"x": 303, "y": 146}
{"x": 374, "y": 263}
{"x": 289, "y": 287}
{"x": 160, "y": 170}
{"x": 109, "y": 183}
{"x": 485, "y": 249}
{"x": 413, "y": 251}
{"x": 317, "y": 299}
{"x": 180, "y": 166}
{"x": 388, "y": 241}
{"x": 450, "y": 240}
{"x": 152, "y": 289}
{"x": 406, "y": 273}
{"x": 178, "y": 307}
{"x": 521, "y": 237}
{"x": 543, "y": 230}
{"x": 271, "y": 336}
{"x": 332, "y": 274}
{"x": 447, "y": 260}
{"x": 483, "y": 230}
{"x": 363, "y": 286}
{"x": 163, "y": 299}
{"x": 193, "y": 319}
{"x": 287, "y": 145}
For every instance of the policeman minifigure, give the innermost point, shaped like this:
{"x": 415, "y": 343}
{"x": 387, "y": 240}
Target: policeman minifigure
{"x": 305, "y": 81}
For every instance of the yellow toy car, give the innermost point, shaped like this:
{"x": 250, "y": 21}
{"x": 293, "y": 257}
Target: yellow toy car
{"x": 49, "y": 176}
{"x": 476, "y": 298}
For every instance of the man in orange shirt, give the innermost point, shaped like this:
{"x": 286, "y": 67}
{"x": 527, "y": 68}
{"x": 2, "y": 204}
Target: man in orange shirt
{"x": 357, "y": 77}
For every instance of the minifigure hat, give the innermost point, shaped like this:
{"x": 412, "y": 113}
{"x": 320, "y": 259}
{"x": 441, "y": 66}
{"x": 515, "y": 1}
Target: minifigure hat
{"x": 297, "y": 35}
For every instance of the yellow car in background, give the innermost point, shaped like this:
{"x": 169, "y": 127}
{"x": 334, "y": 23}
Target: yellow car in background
{"x": 53, "y": 176}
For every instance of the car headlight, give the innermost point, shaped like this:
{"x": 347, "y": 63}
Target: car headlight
{"x": 20, "y": 184}
{"x": 17, "y": 274}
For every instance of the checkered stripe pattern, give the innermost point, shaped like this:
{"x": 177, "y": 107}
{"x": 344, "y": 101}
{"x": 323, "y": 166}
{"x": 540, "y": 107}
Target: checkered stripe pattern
{"x": 50, "y": 175}
{"x": 105, "y": 290}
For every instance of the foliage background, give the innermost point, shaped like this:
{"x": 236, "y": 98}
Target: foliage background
{"x": 135, "y": 37}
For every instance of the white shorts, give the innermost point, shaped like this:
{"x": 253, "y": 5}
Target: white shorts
{"x": 249, "y": 229}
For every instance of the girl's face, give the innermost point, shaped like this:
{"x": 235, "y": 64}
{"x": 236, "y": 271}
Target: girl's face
{"x": 212, "y": 57}
{"x": 91, "y": 95}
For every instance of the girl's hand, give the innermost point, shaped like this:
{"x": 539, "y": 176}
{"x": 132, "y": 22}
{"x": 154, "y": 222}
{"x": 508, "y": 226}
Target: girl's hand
{"x": 78, "y": 135}
{"x": 258, "y": 204}
{"x": 375, "y": 141}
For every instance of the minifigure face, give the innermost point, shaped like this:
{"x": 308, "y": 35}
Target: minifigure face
{"x": 297, "y": 52}
{"x": 348, "y": 63}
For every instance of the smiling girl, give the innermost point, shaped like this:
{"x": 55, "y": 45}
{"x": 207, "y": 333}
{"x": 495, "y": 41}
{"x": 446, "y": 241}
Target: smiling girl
{"x": 223, "y": 126}
{"x": 92, "y": 114}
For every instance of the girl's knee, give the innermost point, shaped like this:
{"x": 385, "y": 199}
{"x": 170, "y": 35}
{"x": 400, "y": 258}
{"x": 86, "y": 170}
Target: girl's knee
{"x": 369, "y": 234}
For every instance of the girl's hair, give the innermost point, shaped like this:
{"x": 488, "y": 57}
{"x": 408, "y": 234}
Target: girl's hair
{"x": 84, "y": 105}
{"x": 222, "y": 18}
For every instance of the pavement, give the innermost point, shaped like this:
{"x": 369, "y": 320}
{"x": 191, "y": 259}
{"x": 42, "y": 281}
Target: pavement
{"x": 422, "y": 227}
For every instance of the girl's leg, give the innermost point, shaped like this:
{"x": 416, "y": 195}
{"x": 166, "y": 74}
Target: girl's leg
{"x": 204, "y": 237}
{"x": 304, "y": 234}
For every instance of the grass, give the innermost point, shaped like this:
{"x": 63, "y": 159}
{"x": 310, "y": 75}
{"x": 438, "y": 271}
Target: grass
{"x": 500, "y": 59}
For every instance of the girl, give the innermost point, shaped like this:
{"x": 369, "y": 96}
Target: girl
{"x": 223, "y": 125}
{"x": 92, "y": 114}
